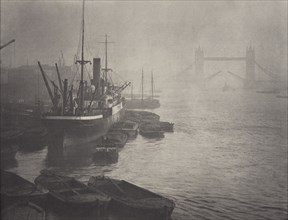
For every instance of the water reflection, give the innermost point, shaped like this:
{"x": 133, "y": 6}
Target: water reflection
{"x": 227, "y": 158}
{"x": 77, "y": 155}
{"x": 106, "y": 159}
{"x": 8, "y": 164}
{"x": 58, "y": 155}
{"x": 28, "y": 147}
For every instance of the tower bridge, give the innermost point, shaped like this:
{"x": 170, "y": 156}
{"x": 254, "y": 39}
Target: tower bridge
{"x": 249, "y": 60}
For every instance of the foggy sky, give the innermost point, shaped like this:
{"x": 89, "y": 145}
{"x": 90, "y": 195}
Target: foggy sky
{"x": 158, "y": 35}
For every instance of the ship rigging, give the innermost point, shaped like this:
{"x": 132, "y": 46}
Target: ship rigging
{"x": 94, "y": 109}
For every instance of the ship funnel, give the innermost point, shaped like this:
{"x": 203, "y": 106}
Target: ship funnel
{"x": 96, "y": 74}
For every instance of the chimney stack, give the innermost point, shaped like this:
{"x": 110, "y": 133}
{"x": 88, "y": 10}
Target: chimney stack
{"x": 96, "y": 74}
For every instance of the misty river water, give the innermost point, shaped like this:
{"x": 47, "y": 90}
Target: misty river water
{"x": 227, "y": 158}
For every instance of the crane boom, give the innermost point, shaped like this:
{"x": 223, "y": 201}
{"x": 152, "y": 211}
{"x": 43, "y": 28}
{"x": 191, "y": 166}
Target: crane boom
{"x": 46, "y": 83}
{"x": 59, "y": 78}
{"x": 5, "y": 45}
{"x": 120, "y": 89}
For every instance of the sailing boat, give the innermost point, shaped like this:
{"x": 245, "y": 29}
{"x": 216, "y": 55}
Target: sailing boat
{"x": 148, "y": 103}
{"x": 95, "y": 108}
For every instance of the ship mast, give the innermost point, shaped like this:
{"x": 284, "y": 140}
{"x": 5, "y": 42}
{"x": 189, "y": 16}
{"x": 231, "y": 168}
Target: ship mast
{"x": 152, "y": 84}
{"x": 132, "y": 90}
{"x": 142, "y": 86}
{"x": 82, "y": 62}
{"x": 106, "y": 61}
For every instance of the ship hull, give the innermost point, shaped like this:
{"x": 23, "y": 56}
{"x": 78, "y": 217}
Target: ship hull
{"x": 142, "y": 104}
{"x": 80, "y": 130}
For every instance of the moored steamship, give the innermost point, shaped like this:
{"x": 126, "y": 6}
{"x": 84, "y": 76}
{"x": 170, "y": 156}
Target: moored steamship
{"x": 81, "y": 117}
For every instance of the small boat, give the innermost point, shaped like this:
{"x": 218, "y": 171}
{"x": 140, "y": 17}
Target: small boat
{"x": 166, "y": 126}
{"x": 68, "y": 193}
{"x": 106, "y": 154}
{"x": 128, "y": 127}
{"x": 268, "y": 91}
{"x": 23, "y": 211}
{"x": 119, "y": 139}
{"x": 147, "y": 103}
{"x": 133, "y": 200}
{"x": 141, "y": 116}
{"x": 151, "y": 130}
{"x": 34, "y": 138}
{"x": 15, "y": 188}
{"x": 152, "y": 134}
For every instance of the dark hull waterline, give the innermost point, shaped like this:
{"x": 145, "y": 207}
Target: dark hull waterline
{"x": 76, "y": 132}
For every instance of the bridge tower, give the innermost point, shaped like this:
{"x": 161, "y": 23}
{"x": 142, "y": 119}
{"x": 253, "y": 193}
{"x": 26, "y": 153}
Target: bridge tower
{"x": 250, "y": 80}
{"x": 199, "y": 65}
